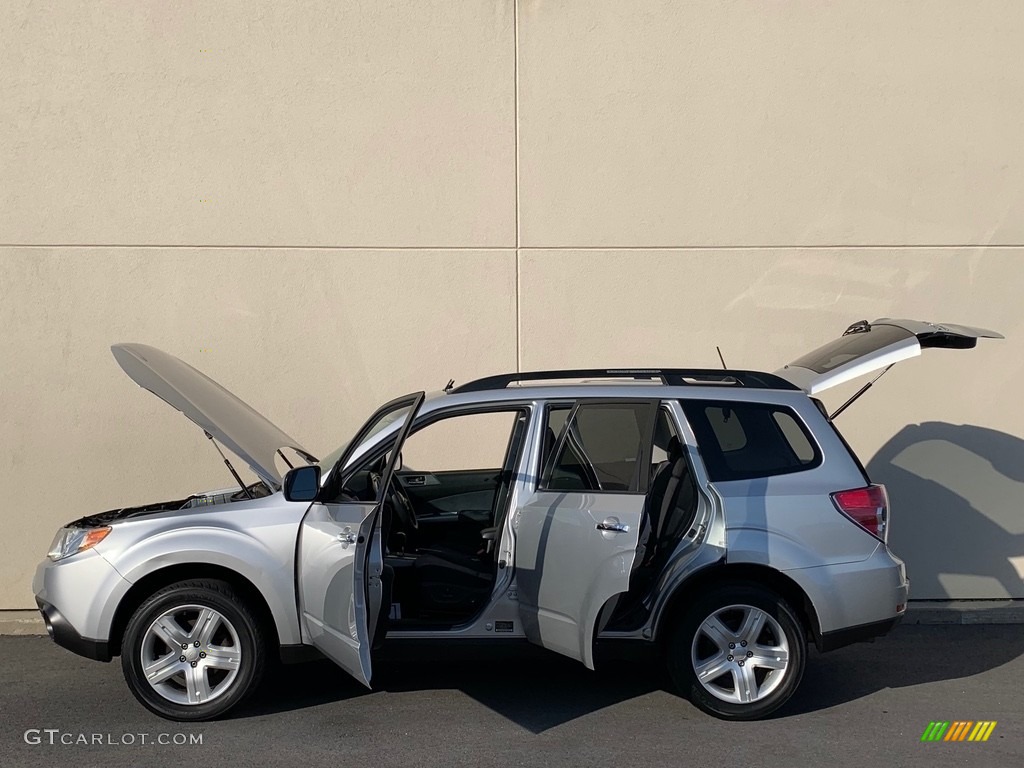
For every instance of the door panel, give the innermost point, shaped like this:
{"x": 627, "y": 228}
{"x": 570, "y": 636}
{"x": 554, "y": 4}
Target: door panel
{"x": 334, "y": 557}
{"x": 339, "y": 552}
{"x": 440, "y": 493}
{"x": 567, "y": 568}
{"x": 451, "y": 507}
{"x": 574, "y": 549}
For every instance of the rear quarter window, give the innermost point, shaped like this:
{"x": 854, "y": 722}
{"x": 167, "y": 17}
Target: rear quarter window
{"x": 742, "y": 441}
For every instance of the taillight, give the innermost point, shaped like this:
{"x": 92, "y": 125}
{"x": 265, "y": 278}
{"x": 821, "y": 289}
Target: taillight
{"x": 867, "y": 507}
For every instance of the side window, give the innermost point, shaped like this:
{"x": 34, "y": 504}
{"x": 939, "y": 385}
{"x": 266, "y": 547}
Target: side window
{"x": 795, "y": 436}
{"x": 604, "y": 447}
{"x": 740, "y": 441}
{"x": 466, "y": 442}
{"x": 555, "y": 417}
{"x": 359, "y": 484}
{"x": 463, "y": 442}
{"x": 728, "y": 430}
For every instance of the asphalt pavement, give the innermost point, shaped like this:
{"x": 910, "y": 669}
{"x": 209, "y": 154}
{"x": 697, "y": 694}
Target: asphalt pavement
{"x": 865, "y": 705}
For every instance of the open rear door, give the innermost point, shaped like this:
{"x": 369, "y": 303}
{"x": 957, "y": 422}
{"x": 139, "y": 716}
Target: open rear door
{"x": 577, "y": 536}
{"x": 340, "y": 556}
{"x": 868, "y": 347}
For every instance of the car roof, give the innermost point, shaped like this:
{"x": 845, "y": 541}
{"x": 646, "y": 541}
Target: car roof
{"x": 647, "y": 383}
{"x": 649, "y": 376}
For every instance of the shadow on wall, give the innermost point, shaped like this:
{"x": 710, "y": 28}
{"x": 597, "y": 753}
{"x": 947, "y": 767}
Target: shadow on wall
{"x": 957, "y": 497}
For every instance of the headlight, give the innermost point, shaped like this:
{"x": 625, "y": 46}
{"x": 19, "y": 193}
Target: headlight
{"x": 69, "y": 541}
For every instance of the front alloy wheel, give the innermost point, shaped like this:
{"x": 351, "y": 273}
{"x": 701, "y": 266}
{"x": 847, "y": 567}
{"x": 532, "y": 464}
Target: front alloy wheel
{"x": 738, "y": 653}
{"x": 193, "y": 650}
{"x": 191, "y": 654}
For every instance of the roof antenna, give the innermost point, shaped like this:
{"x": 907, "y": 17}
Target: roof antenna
{"x": 719, "y": 350}
{"x": 449, "y": 385}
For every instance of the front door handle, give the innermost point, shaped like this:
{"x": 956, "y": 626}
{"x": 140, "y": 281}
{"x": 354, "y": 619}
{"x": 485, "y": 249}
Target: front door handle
{"x": 612, "y": 525}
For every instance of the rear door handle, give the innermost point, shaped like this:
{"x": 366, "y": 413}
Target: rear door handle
{"x": 612, "y": 525}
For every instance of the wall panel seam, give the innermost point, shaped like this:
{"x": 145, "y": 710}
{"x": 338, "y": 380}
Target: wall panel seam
{"x": 500, "y": 248}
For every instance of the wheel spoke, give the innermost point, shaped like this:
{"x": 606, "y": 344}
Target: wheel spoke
{"x": 717, "y": 632}
{"x": 197, "y": 685}
{"x": 712, "y": 668}
{"x": 753, "y": 623}
{"x": 163, "y": 668}
{"x": 769, "y": 658}
{"x": 205, "y": 626}
{"x": 746, "y": 684}
{"x": 168, "y": 630}
{"x": 222, "y": 657}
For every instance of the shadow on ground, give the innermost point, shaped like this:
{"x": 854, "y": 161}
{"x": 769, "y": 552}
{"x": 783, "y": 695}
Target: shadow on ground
{"x": 539, "y": 691}
{"x": 912, "y": 655}
{"x": 533, "y": 688}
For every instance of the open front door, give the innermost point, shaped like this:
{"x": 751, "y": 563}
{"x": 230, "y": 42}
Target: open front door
{"x": 577, "y": 536}
{"x": 868, "y": 347}
{"x": 340, "y": 557}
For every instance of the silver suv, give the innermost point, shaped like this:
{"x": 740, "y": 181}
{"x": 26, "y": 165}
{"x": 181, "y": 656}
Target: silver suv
{"x": 716, "y": 517}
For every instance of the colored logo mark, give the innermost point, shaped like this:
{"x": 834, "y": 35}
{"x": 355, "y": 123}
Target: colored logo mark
{"x": 959, "y": 730}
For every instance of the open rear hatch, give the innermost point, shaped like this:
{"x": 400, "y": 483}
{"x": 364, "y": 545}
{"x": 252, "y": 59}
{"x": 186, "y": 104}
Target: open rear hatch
{"x": 869, "y": 347}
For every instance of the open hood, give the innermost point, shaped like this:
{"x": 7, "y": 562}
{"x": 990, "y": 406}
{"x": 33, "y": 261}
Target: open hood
{"x": 867, "y": 347}
{"x": 227, "y": 419}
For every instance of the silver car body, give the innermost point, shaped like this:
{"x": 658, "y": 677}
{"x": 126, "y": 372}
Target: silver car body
{"x": 564, "y": 556}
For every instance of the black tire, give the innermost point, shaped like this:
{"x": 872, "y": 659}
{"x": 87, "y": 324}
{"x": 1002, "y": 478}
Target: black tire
{"x": 252, "y": 642}
{"x": 680, "y": 650}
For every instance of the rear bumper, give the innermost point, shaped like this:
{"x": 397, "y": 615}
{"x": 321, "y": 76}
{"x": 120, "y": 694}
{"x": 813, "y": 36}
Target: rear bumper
{"x": 66, "y": 636}
{"x": 829, "y": 641}
{"x": 855, "y": 601}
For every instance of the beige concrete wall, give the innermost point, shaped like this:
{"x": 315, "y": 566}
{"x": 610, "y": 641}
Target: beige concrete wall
{"x": 328, "y": 204}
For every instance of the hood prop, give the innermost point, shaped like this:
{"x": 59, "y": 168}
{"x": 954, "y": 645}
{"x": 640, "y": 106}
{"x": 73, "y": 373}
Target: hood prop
{"x": 862, "y": 390}
{"x": 227, "y": 463}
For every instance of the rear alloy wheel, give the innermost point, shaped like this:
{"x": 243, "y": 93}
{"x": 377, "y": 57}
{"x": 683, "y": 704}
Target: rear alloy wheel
{"x": 193, "y": 650}
{"x": 738, "y": 653}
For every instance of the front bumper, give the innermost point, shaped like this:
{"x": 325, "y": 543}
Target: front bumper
{"x": 66, "y": 636}
{"x": 77, "y": 597}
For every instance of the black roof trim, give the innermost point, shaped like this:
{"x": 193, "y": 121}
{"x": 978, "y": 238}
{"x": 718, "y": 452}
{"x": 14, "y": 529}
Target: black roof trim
{"x": 668, "y": 376}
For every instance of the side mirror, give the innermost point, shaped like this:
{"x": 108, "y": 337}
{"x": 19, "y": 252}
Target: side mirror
{"x": 302, "y": 483}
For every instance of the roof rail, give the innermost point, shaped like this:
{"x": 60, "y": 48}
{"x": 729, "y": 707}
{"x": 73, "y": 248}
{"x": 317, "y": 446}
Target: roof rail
{"x": 667, "y": 376}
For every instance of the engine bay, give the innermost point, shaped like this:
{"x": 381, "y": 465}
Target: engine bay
{"x": 216, "y": 498}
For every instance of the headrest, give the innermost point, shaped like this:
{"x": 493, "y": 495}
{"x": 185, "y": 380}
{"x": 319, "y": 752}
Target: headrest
{"x": 662, "y": 432}
{"x": 675, "y": 449}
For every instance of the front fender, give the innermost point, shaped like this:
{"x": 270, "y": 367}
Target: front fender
{"x": 267, "y": 564}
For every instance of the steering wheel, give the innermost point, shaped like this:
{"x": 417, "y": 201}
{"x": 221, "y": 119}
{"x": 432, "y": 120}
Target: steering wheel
{"x": 402, "y": 506}
{"x": 396, "y": 498}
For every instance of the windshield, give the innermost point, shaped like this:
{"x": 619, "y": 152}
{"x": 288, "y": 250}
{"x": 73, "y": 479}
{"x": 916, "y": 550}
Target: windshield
{"x": 328, "y": 461}
{"x": 383, "y": 421}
